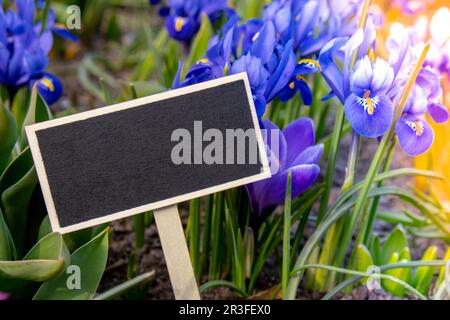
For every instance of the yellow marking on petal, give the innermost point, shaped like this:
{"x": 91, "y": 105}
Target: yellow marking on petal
{"x": 203, "y": 60}
{"x": 311, "y": 61}
{"x": 48, "y": 83}
{"x": 369, "y": 101}
{"x": 419, "y": 128}
{"x": 292, "y": 85}
{"x": 299, "y": 77}
{"x": 256, "y": 36}
{"x": 179, "y": 23}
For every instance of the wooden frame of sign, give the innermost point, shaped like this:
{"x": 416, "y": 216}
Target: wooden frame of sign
{"x": 78, "y": 194}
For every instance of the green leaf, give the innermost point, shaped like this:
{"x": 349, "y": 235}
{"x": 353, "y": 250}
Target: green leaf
{"x": 221, "y": 283}
{"x": 38, "y": 111}
{"x": 404, "y": 274}
{"x": 33, "y": 270}
{"x": 91, "y": 259}
{"x": 363, "y": 259}
{"x": 144, "y": 69}
{"x": 286, "y": 262}
{"x": 441, "y": 277}
{"x": 396, "y": 242}
{"x": 45, "y": 228}
{"x": 7, "y": 248}
{"x": 16, "y": 170}
{"x": 375, "y": 249}
{"x": 44, "y": 261}
{"x": 20, "y": 106}
{"x": 126, "y": 286}
{"x": 200, "y": 43}
{"x": 15, "y": 202}
{"x": 250, "y": 8}
{"x": 249, "y": 250}
{"x": 8, "y": 135}
{"x": 424, "y": 275}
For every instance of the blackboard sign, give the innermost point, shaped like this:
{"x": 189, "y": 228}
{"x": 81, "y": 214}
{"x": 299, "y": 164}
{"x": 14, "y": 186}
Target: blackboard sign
{"x": 113, "y": 162}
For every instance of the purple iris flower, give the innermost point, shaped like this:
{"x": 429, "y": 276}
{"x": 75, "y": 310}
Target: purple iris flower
{"x": 414, "y": 133}
{"x": 257, "y": 76}
{"x": 24, "y": 48}
{"x": 362, "y": 90}
{"x": 369, "y": 88}
{"x": 184, "y": 16}
{"x": 269, "y": 66}
{"x": 368, "y": 109}
{"x": 49, "y": 86}
{"x": 290, "y": 150}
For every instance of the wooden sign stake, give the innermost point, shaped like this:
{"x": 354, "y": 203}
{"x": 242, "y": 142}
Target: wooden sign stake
{"x": 176, "y": 253}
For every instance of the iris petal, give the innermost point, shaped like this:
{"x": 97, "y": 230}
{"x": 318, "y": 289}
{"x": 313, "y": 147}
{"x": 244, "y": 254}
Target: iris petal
{"x": 360, "y": 117}
{"x": 303, "y": 177}
{"x": 414, "y": 135}
{"x": 299, "y": 136}
{"x": 265, "y": 43}
{"x": 438, "y": 112}
{"x": 361, "y": 78}
{"x": 310, "y": 155}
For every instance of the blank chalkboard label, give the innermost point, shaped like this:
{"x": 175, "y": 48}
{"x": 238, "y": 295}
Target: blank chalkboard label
{"x": 113, "y": 162}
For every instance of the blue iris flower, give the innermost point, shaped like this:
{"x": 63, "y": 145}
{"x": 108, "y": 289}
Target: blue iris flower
{"x": 368, "y": 90}
{"x": 289, "y": 150}
{"x": 24, "y": 48}
{"x": 183, "y": 17}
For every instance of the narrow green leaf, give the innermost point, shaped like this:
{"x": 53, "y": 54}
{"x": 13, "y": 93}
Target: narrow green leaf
{"x": 201, "y": 41}
{"x": 7, "y": 248}
{"x": 38, "y": 111}
{"x": 249, "y": 251}
{"x": 375, "y": 249}
{"x": 15, "y": 202}
{"x": 222, "y": 283}
{"x": 8, "y": 135}
{"x": 424, "y": 275}
{"x": 124, "y": 287}
{"x": 441, "y": 277}
{"x": 286, "y": 235}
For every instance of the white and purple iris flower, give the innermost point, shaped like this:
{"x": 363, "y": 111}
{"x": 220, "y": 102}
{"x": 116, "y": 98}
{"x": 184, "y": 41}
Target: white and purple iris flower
{"x": 289, "y": 150}
{"x": 369, "y": 90}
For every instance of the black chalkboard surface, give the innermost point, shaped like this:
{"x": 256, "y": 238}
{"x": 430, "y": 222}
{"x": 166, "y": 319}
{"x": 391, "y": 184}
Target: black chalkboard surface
{"x": 116, "y": 161}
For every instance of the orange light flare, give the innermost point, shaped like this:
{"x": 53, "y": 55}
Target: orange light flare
{"x": 431, "y": 21}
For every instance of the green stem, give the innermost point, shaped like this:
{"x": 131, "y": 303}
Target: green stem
{"x": 351, "y": 162}
{"x": 362, "y": 196}
{"x": 365, "y": 274}
{"x": 194, "y": 236}
{"x": 368, "y": 220}
{"x": 217, "y": 237}
{"x": 209, "y": 203}
{"x": 331, "y": 168}
{"x": 139, "y": 230}
{"x": 412, "y": 264}
{"x": 286, "y": 235}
